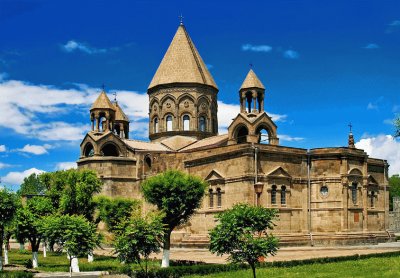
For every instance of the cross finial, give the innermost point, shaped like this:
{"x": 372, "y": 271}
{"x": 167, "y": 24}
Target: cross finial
{"x": 350, "y": 126}
{"x": 181, "y": 19}
{"x": 115, "y": 96}
{"x": 103, "y": 86}
{"x": 251, "y": 65}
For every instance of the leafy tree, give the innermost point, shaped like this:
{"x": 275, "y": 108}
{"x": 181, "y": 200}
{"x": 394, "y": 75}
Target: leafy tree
{"x": 8, "y": 207}
{"x": 114, "y": 211}
{"x": 28, "y": 222}
{"x": 139, "y": 237}
{"x": 397, "y": 126}
{"x": 394, "y": 183}
{"x": 32, "y": 185}
{"x": 177, "y": 195}
{"x": 242, "y": 233}
{"x": 74, "y": 233}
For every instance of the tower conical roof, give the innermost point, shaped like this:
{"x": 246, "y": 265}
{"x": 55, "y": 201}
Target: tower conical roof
{"x": 182, "y": 63}
{"x": 252, "y": 81}
{"x": 119, "y": 114}
{"x": 102, "y": 102}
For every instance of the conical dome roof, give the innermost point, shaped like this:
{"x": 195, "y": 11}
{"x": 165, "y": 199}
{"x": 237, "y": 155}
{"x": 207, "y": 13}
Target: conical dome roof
{"x": 102, "y": 102}
{"x": 252, "y": 81}
{"x": 119, "y": 114}
{"x": 182, "y": 63}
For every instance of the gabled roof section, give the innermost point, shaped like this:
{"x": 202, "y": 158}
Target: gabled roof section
{"x": 147, "y": 146}
{"x": 182, "y": 63}
{"x": 102, "y": 102}
{"x": 252, "y": 81}
{"x": 119, "y": 114}
{"x": 206, "y": 143}
{"x": 214, "y": 176}
{"x": 372, "y": 180}
{"x": 279, "y": 172}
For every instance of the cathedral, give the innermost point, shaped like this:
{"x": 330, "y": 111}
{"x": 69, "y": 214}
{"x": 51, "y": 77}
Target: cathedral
{"x": 325, "y": 196}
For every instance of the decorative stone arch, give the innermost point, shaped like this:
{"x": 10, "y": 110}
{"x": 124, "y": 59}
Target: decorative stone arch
{"x": 240, "y": 133}
{"x": 271, "y": 133}
{"x": 155, "y": 102}
{"x": 154, "y": 124}
{"x": 88, "y": 149}
{"x": 187, "y": 95}
{"x": 147, "y": 164}
{"x": 165, "y": 121}
{"x": 206, "y": 108}
{"x": 166, "y": 97}
{"x": 110, "y": 149}
{"x": 355, "y": 178}
{"x": 200, "y": 117}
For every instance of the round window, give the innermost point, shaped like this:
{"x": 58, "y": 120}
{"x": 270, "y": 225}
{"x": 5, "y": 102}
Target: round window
{"x": 324, "y": 190}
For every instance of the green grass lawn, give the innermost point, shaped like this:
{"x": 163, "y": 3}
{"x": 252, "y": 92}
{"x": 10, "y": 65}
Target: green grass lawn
{"x": 59, "y": 262}
{"x": 372, "y": 267}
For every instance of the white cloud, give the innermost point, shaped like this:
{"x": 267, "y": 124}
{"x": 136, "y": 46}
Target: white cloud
{"x": 2, "y": 148}
{"x": 72, "y": 46}
{"x": 35, "y": 149}
{"x": 65, "y": 165}
{"x": 372, "y": 106}
{"x": 4, "y": 165}
{"x": 16, "y": 178}
{"x": 288, "y": 138}
{"x": 384, "y": 147}
{"x": 256, "y": 48}
{"x": 371, "y": 46}
{"x": 227, "y": 112}
{"x": 291, "y": 54}
{"x": 393, "y": 26}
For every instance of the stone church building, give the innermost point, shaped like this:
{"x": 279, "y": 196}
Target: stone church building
{"x": 333, "y": 195}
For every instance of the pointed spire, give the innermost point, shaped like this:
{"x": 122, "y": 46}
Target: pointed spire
{"x": 119, "y": 114}
{"x": 102, "y": 102}
{"x": 351, "y": 138}
{"x": 182, "y": 63}
{"x": 252, "y": 81}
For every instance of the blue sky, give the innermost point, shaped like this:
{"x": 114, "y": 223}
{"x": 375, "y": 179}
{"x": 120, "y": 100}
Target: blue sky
{"x": 324, "y": 64}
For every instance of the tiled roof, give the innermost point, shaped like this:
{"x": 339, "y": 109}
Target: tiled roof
{"x": 207, "y": 142}
{"x": 252, "y": 81}
{"x": 150, "y": 146}
{"x": 182, "y": 63}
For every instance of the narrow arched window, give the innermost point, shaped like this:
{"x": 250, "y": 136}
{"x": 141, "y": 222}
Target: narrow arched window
{"x": 186, "y": 122}
{"x": 155, "y": 125}
{"x": 283, "y": 195}
{"x": 372, "y": 196}
{"x": 169, "y": 123}
{"x": 273, "y": 195}
{"x": 219, "y": 197}
{"x": 354, "y": 192}
{"x": 202, "y": 123}
{"x": 211, "y": 198}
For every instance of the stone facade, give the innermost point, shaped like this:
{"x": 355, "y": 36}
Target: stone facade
{"x": 324, "y": 196}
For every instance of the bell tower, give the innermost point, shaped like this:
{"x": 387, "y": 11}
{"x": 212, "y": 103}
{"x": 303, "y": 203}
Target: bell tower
{"x": 251, "y": 94}
{"x": 102, "y": 114}
{"x": 182, "y": 93}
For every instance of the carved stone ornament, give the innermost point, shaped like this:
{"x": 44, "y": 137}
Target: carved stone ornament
{"x": 186, "y": 104}
{"x": 203, "y": 106}
{"x": 155, "y": 107}
{"x": 168, "y": 105}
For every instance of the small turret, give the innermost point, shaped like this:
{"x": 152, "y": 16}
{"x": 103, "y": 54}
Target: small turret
{"x": 121, "y": 125}
{"x": 351, "y": 138}
{"x": 252, "y": 94}
{"x": 102, "y": 113}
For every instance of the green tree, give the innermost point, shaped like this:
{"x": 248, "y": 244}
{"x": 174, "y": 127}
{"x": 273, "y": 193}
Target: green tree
{"x": 29, "y": 220}
{"x": 177, "y": 195}
{"x": 114, "y": 211}
{"x": 32, "y": 185}
{"x": 242, "y": 233}
{"x": 394, "y": 183}
{"x": 139, "y": 237}
{"x": 397, "y": 126}
{"x": 8, "y": 207}
{"x": 74, "y": 233}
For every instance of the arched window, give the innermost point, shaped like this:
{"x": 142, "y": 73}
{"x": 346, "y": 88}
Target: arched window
{"x": 273, "y": 195}
{"x": 263, "y": 135}
{"x": 283, "y": 195}
{"x": 219, "y": 197}
{"x": 186, "y": 122}
{"x": 249, "y": 99}
{"x": 102, "y": 123}
{"x": 169, "y": 123}
{"x": 155, "y": 125}
{"x": 147, "y": 163}
{"x": 109, "y": 150}
{"x": 372, "y": 200}
{"x": 354, "y": 192}
{"x": 211, "y": 198}
{"x": 117, "y": 129}
{"x": 242, "y": 135}
{"x": 89, "y": 150}
{"x": 202, "y": 123}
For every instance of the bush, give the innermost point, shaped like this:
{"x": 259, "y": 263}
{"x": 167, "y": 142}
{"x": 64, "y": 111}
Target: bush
{"x": 29, "y": 264}
{"x": 16, "y": 274}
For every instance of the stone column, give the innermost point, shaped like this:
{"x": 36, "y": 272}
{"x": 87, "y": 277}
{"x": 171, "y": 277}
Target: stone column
{"x": 254, "y": 102}
{"x": 365, "y": 205}
{"x": 97, "y": 123}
